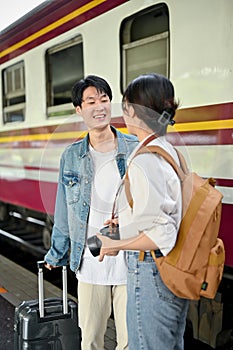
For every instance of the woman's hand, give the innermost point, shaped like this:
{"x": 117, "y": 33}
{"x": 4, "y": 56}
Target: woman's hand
{"x": 109, "y": 247}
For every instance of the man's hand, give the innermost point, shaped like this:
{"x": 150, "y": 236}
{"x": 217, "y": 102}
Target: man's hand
{"x": 50, "y": 267}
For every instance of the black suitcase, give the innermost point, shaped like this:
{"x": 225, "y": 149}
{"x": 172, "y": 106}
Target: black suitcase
{"x": 47, "y": 324}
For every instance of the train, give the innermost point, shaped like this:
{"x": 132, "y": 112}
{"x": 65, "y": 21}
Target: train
{"x": 42, "y": 55}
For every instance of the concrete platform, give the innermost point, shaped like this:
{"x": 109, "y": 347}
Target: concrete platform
{"x": 18, "y": 284}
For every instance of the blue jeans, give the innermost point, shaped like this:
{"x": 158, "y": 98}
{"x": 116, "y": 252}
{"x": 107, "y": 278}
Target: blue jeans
{"x": 156, "y": 318}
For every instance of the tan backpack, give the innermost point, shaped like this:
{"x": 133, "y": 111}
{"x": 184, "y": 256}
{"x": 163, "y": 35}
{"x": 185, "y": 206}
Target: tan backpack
{"x": 194, "y": 267}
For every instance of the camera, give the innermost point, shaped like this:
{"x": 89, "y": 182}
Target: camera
{"x": 94, "y": 243}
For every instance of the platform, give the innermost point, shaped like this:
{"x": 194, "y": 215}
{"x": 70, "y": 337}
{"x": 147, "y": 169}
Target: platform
{"x": 18, "y": 284}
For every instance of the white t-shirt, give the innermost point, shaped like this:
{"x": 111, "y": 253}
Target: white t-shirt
{"x": 106, "y": 180}
{"x": 157, "y": 201}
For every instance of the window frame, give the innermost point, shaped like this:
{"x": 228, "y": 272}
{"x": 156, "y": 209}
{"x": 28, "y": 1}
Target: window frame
{"x": 125, "y": 31}
{"x": 62, "y": 109}
{"x": 8, "y": 105}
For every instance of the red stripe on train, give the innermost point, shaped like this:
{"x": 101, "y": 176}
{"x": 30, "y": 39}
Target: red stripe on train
{"x": 27, "y": 167}
{"x": 220, "y": 111}
{"x": 224, "y": 182}
{"x": 36, "y": 195}
{"x": 226, "y": 232}
{"x": 201, "y": 138}
{"x": 40, "y": 196}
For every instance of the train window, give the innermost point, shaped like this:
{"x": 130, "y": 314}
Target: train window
{"x": 145, "y": 43}
{"x": 14, "y": 93}
{"x": 64, "y": 65}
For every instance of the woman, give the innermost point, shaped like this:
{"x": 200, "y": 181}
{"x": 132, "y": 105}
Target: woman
{"x": 155, "y": 316}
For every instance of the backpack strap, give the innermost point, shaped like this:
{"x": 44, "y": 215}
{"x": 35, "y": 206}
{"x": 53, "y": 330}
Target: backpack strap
{"x": 182, "y": 161}
{"x": 180, "y": 170}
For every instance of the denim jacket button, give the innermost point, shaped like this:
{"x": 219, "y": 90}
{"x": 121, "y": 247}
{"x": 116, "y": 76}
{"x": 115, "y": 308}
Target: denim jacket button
{"x": 84, "y": 204}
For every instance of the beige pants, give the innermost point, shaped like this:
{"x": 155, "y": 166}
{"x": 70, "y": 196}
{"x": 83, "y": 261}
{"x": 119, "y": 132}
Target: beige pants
{"x": 95, "y": 306}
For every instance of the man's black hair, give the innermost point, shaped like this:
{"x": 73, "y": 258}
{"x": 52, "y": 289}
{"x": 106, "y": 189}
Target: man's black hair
{"x": 99, "y": 83}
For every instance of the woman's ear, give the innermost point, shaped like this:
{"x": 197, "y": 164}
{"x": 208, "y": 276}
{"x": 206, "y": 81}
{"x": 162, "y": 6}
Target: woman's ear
{"x": 131, "y": 111}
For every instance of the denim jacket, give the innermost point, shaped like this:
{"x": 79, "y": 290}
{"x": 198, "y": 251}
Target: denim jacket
{"x": 74, "y": 197}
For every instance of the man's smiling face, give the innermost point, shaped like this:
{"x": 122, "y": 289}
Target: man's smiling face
{"x": 95, "y": 108}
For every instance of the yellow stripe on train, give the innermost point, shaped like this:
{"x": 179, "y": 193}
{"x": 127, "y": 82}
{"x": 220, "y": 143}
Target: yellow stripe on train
{"x": 202, "y": 126}
{"x": 179, "y": 127}
{"x": 52, "y": 26}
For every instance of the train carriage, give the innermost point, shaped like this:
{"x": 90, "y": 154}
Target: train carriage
{"x": 46, "y": 51}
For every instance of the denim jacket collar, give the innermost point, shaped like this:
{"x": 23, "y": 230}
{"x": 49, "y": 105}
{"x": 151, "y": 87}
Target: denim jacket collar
{"x": 121, "y": 144}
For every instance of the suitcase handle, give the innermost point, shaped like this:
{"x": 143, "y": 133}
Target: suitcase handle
{"x": 40, "y": 265}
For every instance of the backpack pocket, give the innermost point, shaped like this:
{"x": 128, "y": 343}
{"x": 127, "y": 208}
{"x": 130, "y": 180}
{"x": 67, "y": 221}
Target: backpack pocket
{"x": 214, "y": 270}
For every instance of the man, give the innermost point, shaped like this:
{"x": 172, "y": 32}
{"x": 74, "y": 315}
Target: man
{"x": 90, "y": 173}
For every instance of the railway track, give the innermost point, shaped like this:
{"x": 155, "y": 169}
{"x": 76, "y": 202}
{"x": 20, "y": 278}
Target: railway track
{"x": 21, "y": 240}
{"x": 25, "y": 233}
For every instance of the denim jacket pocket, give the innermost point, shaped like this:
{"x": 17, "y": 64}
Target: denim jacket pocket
{"x": 72, "y": 186}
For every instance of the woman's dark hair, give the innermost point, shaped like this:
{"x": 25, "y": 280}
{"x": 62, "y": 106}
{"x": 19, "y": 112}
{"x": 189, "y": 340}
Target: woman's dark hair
{"x": 100, "y": 84}
{"x": 152, "y": 97}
